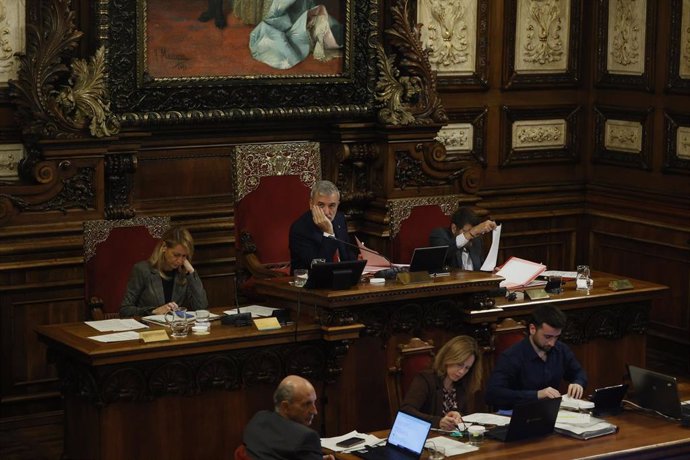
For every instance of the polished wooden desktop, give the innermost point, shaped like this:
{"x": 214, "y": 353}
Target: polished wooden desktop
{"x": 182, "y": 398}
{"x": 640, "y": 436}
{"x": 606, "y": 329}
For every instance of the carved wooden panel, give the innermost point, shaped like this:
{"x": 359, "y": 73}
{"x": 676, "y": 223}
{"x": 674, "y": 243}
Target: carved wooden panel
{"x": 677, "y": 143}
{"x": 622, "y": 137}
{"x": 679, "y": 58}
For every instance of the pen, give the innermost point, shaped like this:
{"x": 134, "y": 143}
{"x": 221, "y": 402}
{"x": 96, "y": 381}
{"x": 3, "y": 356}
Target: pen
{"x": 464, "y": 425}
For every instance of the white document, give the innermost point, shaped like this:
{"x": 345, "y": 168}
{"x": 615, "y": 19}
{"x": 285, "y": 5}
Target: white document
{"x": 519, "y": 272}
{"x": 573, "y": 418}
{"x": 561, "y": 273}
{"x": 191, "y": 316}
{"x": 369, "y": 440}
{"x": 116, "y": 337}
{"x": 578, "y": 404}
{"x": 257, "y": 311}
{"x": 116, "y": 324}
{"x": 482, "y": 418}
{"x": 490, "y": 261}
{"x": 451, "y": 446}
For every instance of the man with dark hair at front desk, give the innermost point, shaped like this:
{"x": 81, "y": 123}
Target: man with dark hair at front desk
{"x": 320, "y": 233}
{"x": 465, "y": 250}
{"x": 534, "y": 367}
{"x": 284, "y": 434}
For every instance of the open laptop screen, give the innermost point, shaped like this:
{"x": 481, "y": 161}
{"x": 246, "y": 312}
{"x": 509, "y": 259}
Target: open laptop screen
{"x": 431, "y": 259}
{"x": 655, "y": 391}
{"x": 409, "y": 433}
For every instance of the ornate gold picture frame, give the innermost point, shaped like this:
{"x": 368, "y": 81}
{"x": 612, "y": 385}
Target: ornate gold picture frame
{"x": 158, "y": 77}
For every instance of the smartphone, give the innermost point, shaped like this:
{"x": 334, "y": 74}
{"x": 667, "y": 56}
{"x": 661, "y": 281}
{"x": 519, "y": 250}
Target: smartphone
{"x": 349, "y": 442}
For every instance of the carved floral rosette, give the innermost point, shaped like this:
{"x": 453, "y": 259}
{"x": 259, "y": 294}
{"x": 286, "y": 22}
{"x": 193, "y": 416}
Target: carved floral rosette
{"x": 251, "y": 162}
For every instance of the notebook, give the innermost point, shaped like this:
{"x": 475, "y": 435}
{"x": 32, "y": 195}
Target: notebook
{"x": 431, "y": 259}
{"x": 657, "y": 391}
{"x": 607, "y": 400}
{"x": 405, "y": 441}
{"x": 535, "y": 418}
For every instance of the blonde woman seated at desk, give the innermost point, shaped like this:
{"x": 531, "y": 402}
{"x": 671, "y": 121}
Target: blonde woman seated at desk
{"x": 166, "y": 280}
{"x": 448, "y": 389}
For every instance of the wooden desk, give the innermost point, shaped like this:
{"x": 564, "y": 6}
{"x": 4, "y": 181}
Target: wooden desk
{"x": 606, "y": 329}
{"x": 640, "y": 436}
{"x": 137, "y": 400}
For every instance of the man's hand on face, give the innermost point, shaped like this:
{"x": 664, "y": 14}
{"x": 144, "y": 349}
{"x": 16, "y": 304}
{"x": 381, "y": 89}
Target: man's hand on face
{"x": 321, "y": 220}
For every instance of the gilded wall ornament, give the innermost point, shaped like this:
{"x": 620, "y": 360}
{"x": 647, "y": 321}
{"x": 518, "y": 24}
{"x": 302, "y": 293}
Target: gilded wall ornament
{"x": 52, "y": 102}
{"x": 406, "y": 87}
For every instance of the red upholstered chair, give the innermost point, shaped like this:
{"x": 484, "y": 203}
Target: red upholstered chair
{"x": 111, "y": 248}
{"x": 505, "y": 334}
{"x": 412, "y": 219}
{"x": 241, "y": 453}
{"x": 412, "y": 357}
{"x": 272, "y": 187}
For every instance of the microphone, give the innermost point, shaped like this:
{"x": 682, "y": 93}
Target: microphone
{"x": 387, "y": 273}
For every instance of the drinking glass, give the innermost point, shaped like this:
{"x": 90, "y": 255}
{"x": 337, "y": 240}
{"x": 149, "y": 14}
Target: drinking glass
{"x": 301, "y": 276}
{"x": 178, "y": 322}
{"x": 476, "y": 434}
{"x": 202, "y": 323}
{"x": 582, "y": 281}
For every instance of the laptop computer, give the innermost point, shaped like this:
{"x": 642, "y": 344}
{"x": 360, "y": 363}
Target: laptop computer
{"x": 657, "y": 391}
{"x": 430, "y": 259}
{"x": 405, "y": 441}
{"x": 607, "y": 400}
{"x": 529, "y": 420}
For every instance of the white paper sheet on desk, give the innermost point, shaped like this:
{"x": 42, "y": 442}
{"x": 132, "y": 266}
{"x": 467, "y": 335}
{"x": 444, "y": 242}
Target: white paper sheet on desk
{"x": 116, "y": 337}
{"x": 578, "y": 404}
{"x": 490, "y": 261}
{"x": 330, "y": 443}
{"x": 451, "y": 446}
{"x": 257, "y": 311}
{"x": 116, "y": 325}
{"x": 573, "y": 418}
{"x": 482, "y": 418}
{"x": 191, "y": 316}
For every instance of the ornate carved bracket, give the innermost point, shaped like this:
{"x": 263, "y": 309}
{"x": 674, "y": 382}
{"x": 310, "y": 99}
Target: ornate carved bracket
{"x": 52, "y": 102}
{"x": 406, "y": 93}
{"x": 399, "y": 209}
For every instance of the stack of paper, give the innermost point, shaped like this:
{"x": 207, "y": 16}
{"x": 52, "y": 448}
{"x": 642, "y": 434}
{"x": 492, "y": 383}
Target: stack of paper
{"x": 519, "y": 273}
{"x": 582, "y": 426}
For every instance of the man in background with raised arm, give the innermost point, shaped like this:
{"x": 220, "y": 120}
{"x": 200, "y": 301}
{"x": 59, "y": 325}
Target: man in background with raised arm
{"x": 463, "y": 238}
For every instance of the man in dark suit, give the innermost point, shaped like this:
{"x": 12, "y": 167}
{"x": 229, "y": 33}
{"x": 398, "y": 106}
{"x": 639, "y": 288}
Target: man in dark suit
{"x": 284, "y": 434}
{"x": 465, "y": 250}
{"x": 315, "y": 234}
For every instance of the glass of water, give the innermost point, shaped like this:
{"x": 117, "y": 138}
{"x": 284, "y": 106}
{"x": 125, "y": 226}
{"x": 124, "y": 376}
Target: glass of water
{"x": 583, "y": 281}
{"x": 301, "y": 277}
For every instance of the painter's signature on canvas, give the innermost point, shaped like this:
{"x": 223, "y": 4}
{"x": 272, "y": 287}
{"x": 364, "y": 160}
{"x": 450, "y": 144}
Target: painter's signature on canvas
{"x": 179, "y": 61}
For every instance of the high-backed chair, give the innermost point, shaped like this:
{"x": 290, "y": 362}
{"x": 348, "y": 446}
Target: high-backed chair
{"x": 272, "y": 187}
{"x": 412, "y": 219}
{"x": 412, "y": 358}
{"x": 111, "y": 248}
{"x": 505, "y": 334}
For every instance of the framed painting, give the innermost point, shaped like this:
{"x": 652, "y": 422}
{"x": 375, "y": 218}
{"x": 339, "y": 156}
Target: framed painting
{"x": 541, "y": 43}
{"x": 455, "y": 33}
{"x": 623, "y": 137}
{"x": 171, "y": 61}
{"x": 626, "y": 31}
{"x": 679, "y": 60}
{"x": 538, "y": 136}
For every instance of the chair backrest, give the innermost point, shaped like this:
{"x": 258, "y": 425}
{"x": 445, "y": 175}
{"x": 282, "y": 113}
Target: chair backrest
{"x": 111, "y": 248}
{"x": 505, "y": 334}
{"x": 241, "y": 453}
{"x": 272, "y": 187}
{"x": 411, "y": 358}
{"x": 412, "y": 219}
